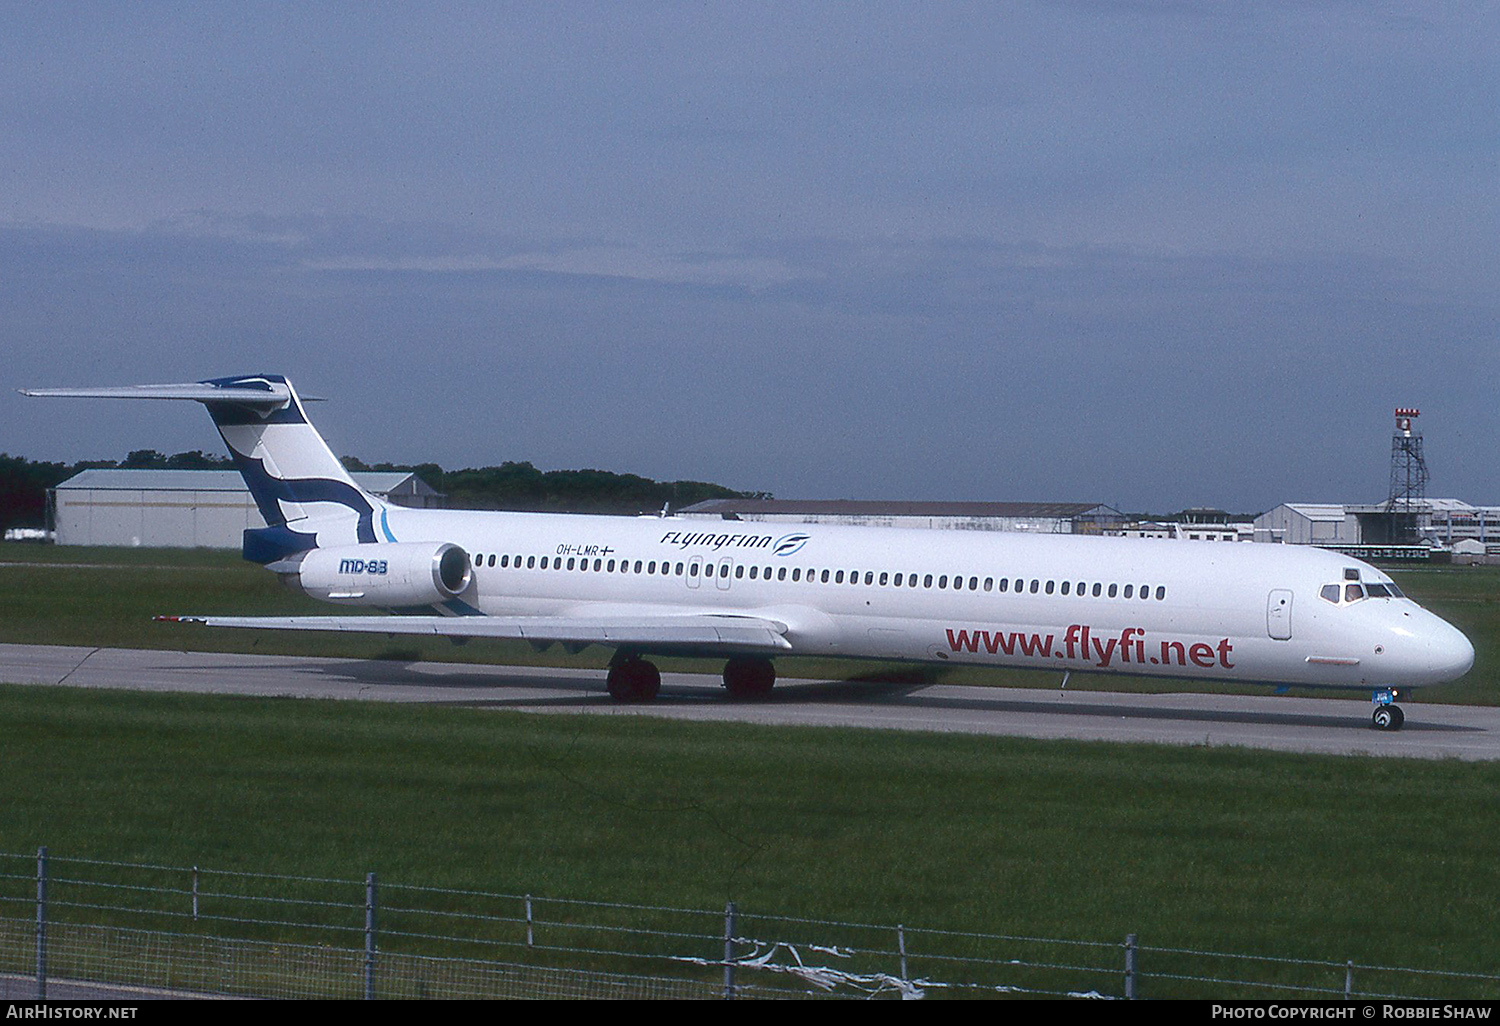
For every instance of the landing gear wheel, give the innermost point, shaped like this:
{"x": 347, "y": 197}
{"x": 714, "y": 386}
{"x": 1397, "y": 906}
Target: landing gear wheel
{"x": 634, "y": 680}
{"x": 1388, "y": 717}
{"x": 749, "y": 677}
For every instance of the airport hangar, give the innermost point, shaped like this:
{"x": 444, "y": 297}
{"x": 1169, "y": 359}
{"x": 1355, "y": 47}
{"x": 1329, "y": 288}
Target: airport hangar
{"x": 212, "y": 508}
{"x": 185, "y": 508}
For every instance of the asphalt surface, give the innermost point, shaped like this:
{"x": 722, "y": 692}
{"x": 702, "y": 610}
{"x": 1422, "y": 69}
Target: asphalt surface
{"x": 21, "y": 989}
{"x": 1283, "y": 723}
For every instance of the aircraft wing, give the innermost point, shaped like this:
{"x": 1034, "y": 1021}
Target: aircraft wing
{"x": 706, "y": 631}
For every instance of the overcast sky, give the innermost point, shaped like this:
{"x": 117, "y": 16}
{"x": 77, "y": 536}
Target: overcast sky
{"x": 1156, "y": 254}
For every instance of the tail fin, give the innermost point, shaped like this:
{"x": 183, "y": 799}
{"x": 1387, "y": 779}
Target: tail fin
{"x": 306, "y": 496}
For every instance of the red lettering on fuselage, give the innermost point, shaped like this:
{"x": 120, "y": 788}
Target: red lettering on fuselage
{"x": 1081, "y": 643}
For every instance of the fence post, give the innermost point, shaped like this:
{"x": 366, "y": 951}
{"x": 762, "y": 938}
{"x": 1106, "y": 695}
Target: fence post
{"x": 41, "y": 923}
{"x": 369, "y": 936}
{"x": 901, "y": 947}
{"x": 1130, "y": 967}
{"x": 195, "y": 894}
{"x": 1349, "y": 980}
{"x": 729, "y": 918}
{"x": 530, "y": 938}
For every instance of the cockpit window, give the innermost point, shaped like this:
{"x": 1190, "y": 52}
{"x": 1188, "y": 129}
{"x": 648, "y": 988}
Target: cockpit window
{"x": 1330, "y": 593}
{"x": 1353, "y": 593}
{"x": 1395, "y": 591}
{"x": 1377, "y": 591}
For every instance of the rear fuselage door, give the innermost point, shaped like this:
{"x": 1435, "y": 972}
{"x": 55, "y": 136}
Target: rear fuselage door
{"x": 1279, "y": 615}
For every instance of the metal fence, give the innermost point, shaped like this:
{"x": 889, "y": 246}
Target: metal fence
{"x": 89, "y": 927}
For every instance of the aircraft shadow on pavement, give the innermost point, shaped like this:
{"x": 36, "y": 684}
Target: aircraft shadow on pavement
{"x": 586, "y": 688}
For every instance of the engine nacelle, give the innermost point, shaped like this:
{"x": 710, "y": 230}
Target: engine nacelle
{"x": 393, "y": 575}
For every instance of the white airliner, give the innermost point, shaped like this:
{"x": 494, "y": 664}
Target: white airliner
{"x": 747, "y": 593}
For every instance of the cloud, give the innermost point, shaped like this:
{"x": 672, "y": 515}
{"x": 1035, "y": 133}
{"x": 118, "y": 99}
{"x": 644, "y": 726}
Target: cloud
{"x": 634, "y": 263}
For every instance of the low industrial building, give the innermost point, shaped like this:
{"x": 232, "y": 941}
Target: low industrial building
{"x": 185, "y": 508}
{"x": 1226, "y": 532}
{"x": 1029, "y": 517}
{"x": 1362, "y": 529}
{"x": 1308, "y": 523}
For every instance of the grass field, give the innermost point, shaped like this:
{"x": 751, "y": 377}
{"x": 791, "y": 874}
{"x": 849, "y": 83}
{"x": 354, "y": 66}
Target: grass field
{"x": 1386, "y": 861}
{"x": 107, "y": 597}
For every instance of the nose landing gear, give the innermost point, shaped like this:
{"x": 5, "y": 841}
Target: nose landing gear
{"x": 1387, "y": 715}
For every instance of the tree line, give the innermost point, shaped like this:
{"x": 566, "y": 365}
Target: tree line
{"x": 510, "y": 486}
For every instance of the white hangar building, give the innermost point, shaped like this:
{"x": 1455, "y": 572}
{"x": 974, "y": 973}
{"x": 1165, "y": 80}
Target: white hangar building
{"x": 185, "y": 508}
{"x": 1308, "y": 523}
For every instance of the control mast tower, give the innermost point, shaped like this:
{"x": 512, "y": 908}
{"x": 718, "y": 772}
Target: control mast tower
{"x": 1409, "y": 477}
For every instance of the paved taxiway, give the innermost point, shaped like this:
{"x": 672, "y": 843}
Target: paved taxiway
{"x": 1284, "y": 723}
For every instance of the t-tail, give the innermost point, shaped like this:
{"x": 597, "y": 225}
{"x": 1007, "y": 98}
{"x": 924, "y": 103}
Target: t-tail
{"x": 305, "y": 495}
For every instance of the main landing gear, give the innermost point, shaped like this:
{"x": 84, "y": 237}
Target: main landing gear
{"x": 1387, "y": 715}
{"x": 633, "y": 679}
{"x": 749, "y": 677}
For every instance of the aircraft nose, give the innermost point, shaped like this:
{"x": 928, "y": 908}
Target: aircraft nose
{"x": 1450, "y": 653}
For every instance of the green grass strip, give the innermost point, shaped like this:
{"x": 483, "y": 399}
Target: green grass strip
{"x": 1380, "y": 860}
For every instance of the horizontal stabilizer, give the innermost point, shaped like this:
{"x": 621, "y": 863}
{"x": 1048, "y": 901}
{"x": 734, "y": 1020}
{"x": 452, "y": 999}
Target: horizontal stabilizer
{"x": 737, "y": 633}
{"x": 262, "y": 393}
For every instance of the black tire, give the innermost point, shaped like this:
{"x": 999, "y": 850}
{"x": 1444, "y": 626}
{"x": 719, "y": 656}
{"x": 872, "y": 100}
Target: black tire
{"x": 749, "y": 677}
{"x": 648, "y": 685}
{"x": 1385, "y": 717}
{"x": 634, "y": 680}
